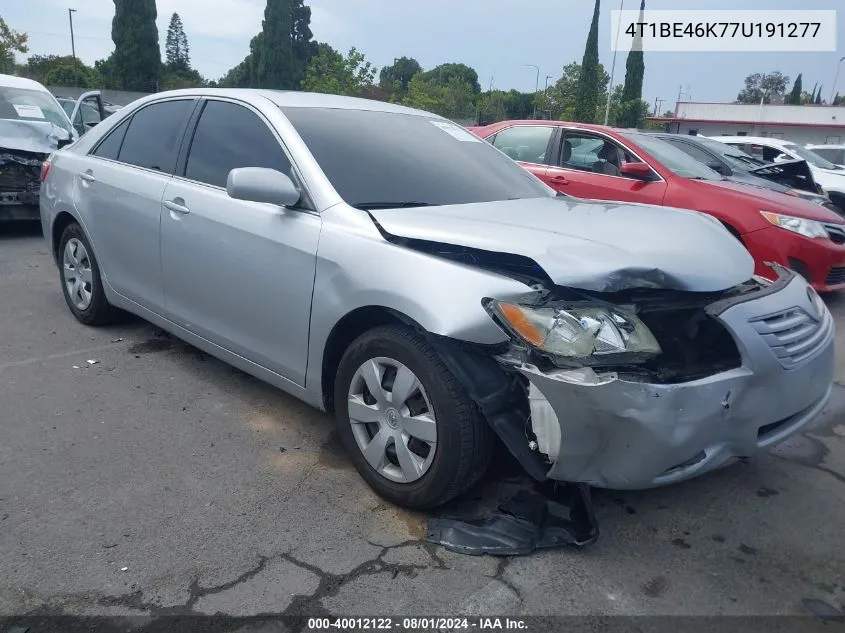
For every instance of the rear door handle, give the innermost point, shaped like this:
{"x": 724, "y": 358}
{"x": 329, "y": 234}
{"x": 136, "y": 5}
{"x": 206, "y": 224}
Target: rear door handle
{"x": 177, "y": 205}
{"x": 560, "y": 180}
{"x": 87, "y": 176}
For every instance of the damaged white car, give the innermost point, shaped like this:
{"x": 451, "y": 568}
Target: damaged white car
{"x": 32, "y": 125}
{"x": 384, "y": 264}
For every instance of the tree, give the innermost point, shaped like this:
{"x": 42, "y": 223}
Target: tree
{"x": 837, "y": 100}
{"x": 818, "y": 100}
{"x": 813, "y": 95}
{"x": 632, "y": 93}
{"x": 279, "y": 54}
{"x": 763, "y": 86}
{"x": 444, "y": 73}
{"x": 397, "y": 76}
{"x": 455, "y": 99}
{"x": 794, "y": 97}
{"x": 176, "y": 50}
{"x": 332, "y": 73}
{"x": 11, "y": 42}
{"x": 587, "y": 91}
{"x": 69, "y": 71}
{"x": 135, "y": 63}
{"x": 562, "y": 96}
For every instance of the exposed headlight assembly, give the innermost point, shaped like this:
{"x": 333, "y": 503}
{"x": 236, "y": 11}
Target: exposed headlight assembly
{"x": 588, "y": 334}
{"x": 802, "y": 226}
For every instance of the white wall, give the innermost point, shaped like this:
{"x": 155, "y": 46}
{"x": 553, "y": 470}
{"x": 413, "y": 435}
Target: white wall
{"x": 813, "y": 115}
{"x": 799, "y": 135}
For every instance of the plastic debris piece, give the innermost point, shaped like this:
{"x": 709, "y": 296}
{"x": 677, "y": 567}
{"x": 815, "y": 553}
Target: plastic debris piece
{"x": 77, "y": 367}
{"x": 523, "y": 523}
{"x": 93, "y": 362}
{"x": 124, "y": 569}
{"x": 117, "y": 340}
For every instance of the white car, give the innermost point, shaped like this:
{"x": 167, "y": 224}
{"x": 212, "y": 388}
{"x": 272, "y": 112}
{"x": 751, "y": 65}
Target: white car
{"x": 774, "y": 150}
{"x": 33, "y": 125}
{"x": 831, "y": 153}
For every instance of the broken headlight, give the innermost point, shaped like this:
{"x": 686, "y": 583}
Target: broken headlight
{"x": 577, "y": 332}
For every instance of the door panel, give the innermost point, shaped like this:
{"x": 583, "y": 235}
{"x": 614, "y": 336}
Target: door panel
{"x": 588, "y": 167}
{"x": 240, "y": 274}
{"x": 122, "y": 206}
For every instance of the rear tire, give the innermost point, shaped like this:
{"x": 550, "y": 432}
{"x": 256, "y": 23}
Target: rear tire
{"x": 390, "y": 358}
{"x": 80, "y": 277}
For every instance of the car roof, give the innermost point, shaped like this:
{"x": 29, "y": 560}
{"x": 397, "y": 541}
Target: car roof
{"x": 294, "y": 99}
{"x": 10, "y": 81}
{"x": 759, "y": 140}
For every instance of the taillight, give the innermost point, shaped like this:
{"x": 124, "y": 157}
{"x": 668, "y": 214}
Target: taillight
{"x": 45, "y": 168}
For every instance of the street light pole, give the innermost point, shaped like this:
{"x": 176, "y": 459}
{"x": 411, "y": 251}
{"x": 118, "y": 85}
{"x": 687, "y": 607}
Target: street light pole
{"x": 613, "y": 65}
{"x": 70, "y": 13}
{"x": 833, "y": 91}
{"x": 536, "y": 86}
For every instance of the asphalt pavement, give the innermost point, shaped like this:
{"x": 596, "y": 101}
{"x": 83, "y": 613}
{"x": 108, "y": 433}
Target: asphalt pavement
{"x": 141, "y": 476}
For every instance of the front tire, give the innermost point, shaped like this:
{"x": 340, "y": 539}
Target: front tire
{"x": 82, "y": 285}
{"x": 410, "y": 428}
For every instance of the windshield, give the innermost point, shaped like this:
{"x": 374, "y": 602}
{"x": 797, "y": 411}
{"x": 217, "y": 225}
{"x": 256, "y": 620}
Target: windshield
{"x": 23, "y": 104}
{"x": 811, "y": 157}
{"x": 388, "y": 159}
{"x": 672, "y": 158}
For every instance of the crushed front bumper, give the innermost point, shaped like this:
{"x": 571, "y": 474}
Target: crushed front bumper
{"x": 623, "y": 434}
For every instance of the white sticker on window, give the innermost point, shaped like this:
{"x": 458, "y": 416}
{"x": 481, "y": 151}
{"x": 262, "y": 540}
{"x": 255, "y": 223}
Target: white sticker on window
{"x": 29, "y": 111}
{"x": 457, "y": 131}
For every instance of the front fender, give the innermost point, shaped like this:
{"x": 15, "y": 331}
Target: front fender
{"x": 357, "y": 268}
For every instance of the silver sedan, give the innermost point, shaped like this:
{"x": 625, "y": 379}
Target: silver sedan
{"x": 386, "y": 265}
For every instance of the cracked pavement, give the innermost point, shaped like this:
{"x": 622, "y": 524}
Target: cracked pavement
{"x": 159, "y": 481}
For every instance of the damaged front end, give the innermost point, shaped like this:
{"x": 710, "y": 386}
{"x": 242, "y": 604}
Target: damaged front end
{"x": 24, "y": 146}
{"x": 646, "y": 387}
{"x": 20, "y": 183}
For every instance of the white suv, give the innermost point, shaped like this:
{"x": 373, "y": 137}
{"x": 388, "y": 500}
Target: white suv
{"x": 831, "y": 153}
{"x": 829, "y": 176}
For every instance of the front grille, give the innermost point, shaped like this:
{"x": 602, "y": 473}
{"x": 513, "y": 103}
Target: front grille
{"x": 836, "y": 233}
{"x": 835, "y": 276}
{"x": 793, "y": 335}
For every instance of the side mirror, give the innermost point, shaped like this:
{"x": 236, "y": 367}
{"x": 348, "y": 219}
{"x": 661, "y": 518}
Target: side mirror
{"x": 259, "y": 184}
{"x": 718, "y": 167}
{"x": 640, "y": 171}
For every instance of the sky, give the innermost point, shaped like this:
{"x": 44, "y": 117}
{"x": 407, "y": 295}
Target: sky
{"x": 496, "y": 37}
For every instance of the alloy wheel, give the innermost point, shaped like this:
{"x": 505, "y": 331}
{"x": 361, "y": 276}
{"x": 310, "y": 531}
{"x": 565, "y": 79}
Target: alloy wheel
{"x": 78, "y": 276}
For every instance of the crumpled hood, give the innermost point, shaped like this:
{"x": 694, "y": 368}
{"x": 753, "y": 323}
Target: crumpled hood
{"x": 604, "y": 247}
{"x": 40, "y": 137}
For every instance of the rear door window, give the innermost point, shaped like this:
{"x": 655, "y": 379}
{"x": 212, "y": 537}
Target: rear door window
{"x": 154, "y": 134}
{"x": 109, "y": 147}
{"x": 229, "y": 136}
{"x": 525, "y": 143}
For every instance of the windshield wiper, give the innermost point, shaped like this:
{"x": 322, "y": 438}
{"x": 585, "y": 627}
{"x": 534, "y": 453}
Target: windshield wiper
{"x": 404, "y": 204}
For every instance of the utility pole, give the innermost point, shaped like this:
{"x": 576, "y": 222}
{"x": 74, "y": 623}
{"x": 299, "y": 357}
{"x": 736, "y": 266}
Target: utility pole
{"x": 613, "y": 65}
{"x": 70, "y": 13}
{"x": 680, "y": 94}
{"x": 536, "y": 86}
{"x": 658, "y": 102}
{"x": 546, "y": 98}
{"x": 833, "y": 90}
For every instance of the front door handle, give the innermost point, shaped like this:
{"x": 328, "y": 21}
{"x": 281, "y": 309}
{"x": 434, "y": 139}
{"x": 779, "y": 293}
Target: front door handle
{"x": 87, "y": 176}
{"x": 177, "y": 205}
{"x": 560, "y": 180}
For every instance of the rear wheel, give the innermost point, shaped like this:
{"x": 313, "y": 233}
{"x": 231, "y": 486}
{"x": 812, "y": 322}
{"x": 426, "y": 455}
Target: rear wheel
{"x": 82, "y": 285}
{"x": 409, "y": 427}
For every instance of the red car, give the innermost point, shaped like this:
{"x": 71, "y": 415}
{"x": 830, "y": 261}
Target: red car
{"x": 593, "y": 161}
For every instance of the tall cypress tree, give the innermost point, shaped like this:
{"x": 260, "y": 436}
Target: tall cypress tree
{"x": 819, "y": 95}
{"x": 794, "y": 97}
{"x": 136, "y": 62}
{"x": 813, "y": 96}
{"x": 176, "y": 49}
{"x": 273, "y": 48}
{"x": 632, "y": 93}
{"x": 587, "y": 91}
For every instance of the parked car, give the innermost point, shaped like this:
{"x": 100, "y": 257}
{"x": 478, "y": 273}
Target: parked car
{"x": 385, "y": 264}
{"x": 793, "y": 178}
{"x": 831, "y": 153}
{"x": 775, "y": 150}
{"x": 32, "y": 125}
{"x": 633, "y": 166}
{"x": 87, "y": 110}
